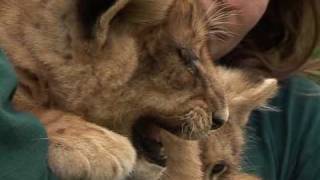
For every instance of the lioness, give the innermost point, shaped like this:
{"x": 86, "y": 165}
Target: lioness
{"x": 95, "y": 71}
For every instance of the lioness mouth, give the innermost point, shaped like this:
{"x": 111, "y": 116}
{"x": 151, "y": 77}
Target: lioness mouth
{"x": 146, "y": 139}
{"x": 146, "y": 132}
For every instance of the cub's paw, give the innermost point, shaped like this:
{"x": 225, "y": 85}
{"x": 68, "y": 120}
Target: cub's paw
{"x": 90, "y": 152}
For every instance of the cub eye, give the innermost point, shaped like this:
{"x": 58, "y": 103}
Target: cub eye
{"x": 189, "y": 58}
{"x": 218, "y": 169}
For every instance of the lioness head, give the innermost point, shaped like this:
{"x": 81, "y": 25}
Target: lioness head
{"x": 138, "y": 64}
{"x": 167, "y": 77}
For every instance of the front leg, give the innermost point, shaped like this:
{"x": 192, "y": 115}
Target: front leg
{"x": 82, "y": 150}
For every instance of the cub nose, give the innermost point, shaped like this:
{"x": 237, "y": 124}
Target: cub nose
{"x": 217, "y": 122}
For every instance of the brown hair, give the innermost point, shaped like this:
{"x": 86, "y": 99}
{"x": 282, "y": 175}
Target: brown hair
{"x": 283, "y": 41}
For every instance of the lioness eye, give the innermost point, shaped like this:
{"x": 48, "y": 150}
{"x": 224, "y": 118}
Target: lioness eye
{"x": 189, "y": 58}
{"x": 218, "y": 169}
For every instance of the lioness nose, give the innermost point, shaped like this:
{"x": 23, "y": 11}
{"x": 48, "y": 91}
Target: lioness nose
{"x": 219, "y": 119}
{"x": 217, "y": 122}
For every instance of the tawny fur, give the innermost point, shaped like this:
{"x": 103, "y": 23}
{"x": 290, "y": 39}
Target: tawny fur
{"x": 195, "y": 160}
{"x": 224, "y": 146}
{"x": 109, "y": 66}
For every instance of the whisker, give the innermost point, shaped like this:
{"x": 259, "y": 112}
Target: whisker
{"x": 217, "y": 17}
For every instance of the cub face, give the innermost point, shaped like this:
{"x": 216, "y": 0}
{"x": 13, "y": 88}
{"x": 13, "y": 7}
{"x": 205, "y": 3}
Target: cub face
{"x": 222, "y": 149}
{"x": 222, "y": 152}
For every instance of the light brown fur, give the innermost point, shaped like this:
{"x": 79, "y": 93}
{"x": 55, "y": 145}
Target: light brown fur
{"x": 76, "y": 72}
{"x": 224, "y": 146}
{"x": 196, "y": 160}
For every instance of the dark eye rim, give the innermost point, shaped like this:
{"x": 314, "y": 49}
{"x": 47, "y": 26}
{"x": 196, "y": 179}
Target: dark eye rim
{"x": 190, "y": 59}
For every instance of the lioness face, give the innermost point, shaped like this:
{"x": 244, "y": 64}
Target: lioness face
{"x": 175, "y": 84}
{"x": 176, "y": 75}
{"x": 131, "y": 63}
{"x": 156, "y": 70}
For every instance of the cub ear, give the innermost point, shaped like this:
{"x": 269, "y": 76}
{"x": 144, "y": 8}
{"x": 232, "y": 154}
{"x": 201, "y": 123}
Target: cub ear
{"x": 246, "y": 92}
{"x": 256, "y": 95}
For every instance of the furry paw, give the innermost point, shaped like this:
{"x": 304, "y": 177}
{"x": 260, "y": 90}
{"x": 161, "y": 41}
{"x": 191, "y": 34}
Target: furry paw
{"x": 87, "y": 151}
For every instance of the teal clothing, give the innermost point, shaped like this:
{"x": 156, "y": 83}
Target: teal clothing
{"x": 23, "y": 140}
{"x": 284, "y": 144}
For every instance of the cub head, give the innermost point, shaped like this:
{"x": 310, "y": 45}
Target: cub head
{"x": 222, "y": 149}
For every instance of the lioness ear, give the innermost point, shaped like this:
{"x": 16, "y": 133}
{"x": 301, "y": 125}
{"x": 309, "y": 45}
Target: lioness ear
{"x": 246, "y": 92}
{"x": 95, "y": 15}
{"x": 146, "y": 12}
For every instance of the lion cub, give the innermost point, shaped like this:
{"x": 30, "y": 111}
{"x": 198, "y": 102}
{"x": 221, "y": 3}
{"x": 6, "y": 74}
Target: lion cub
{"x": 222, "y": 149}
{"x": 216, "y": 157}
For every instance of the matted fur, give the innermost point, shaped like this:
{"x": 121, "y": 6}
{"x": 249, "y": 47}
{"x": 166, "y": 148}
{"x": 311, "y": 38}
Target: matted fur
{"x": 89, "y": 71}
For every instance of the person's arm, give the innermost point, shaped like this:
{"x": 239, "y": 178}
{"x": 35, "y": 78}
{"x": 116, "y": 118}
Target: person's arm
{"x": 23, "y": 140}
